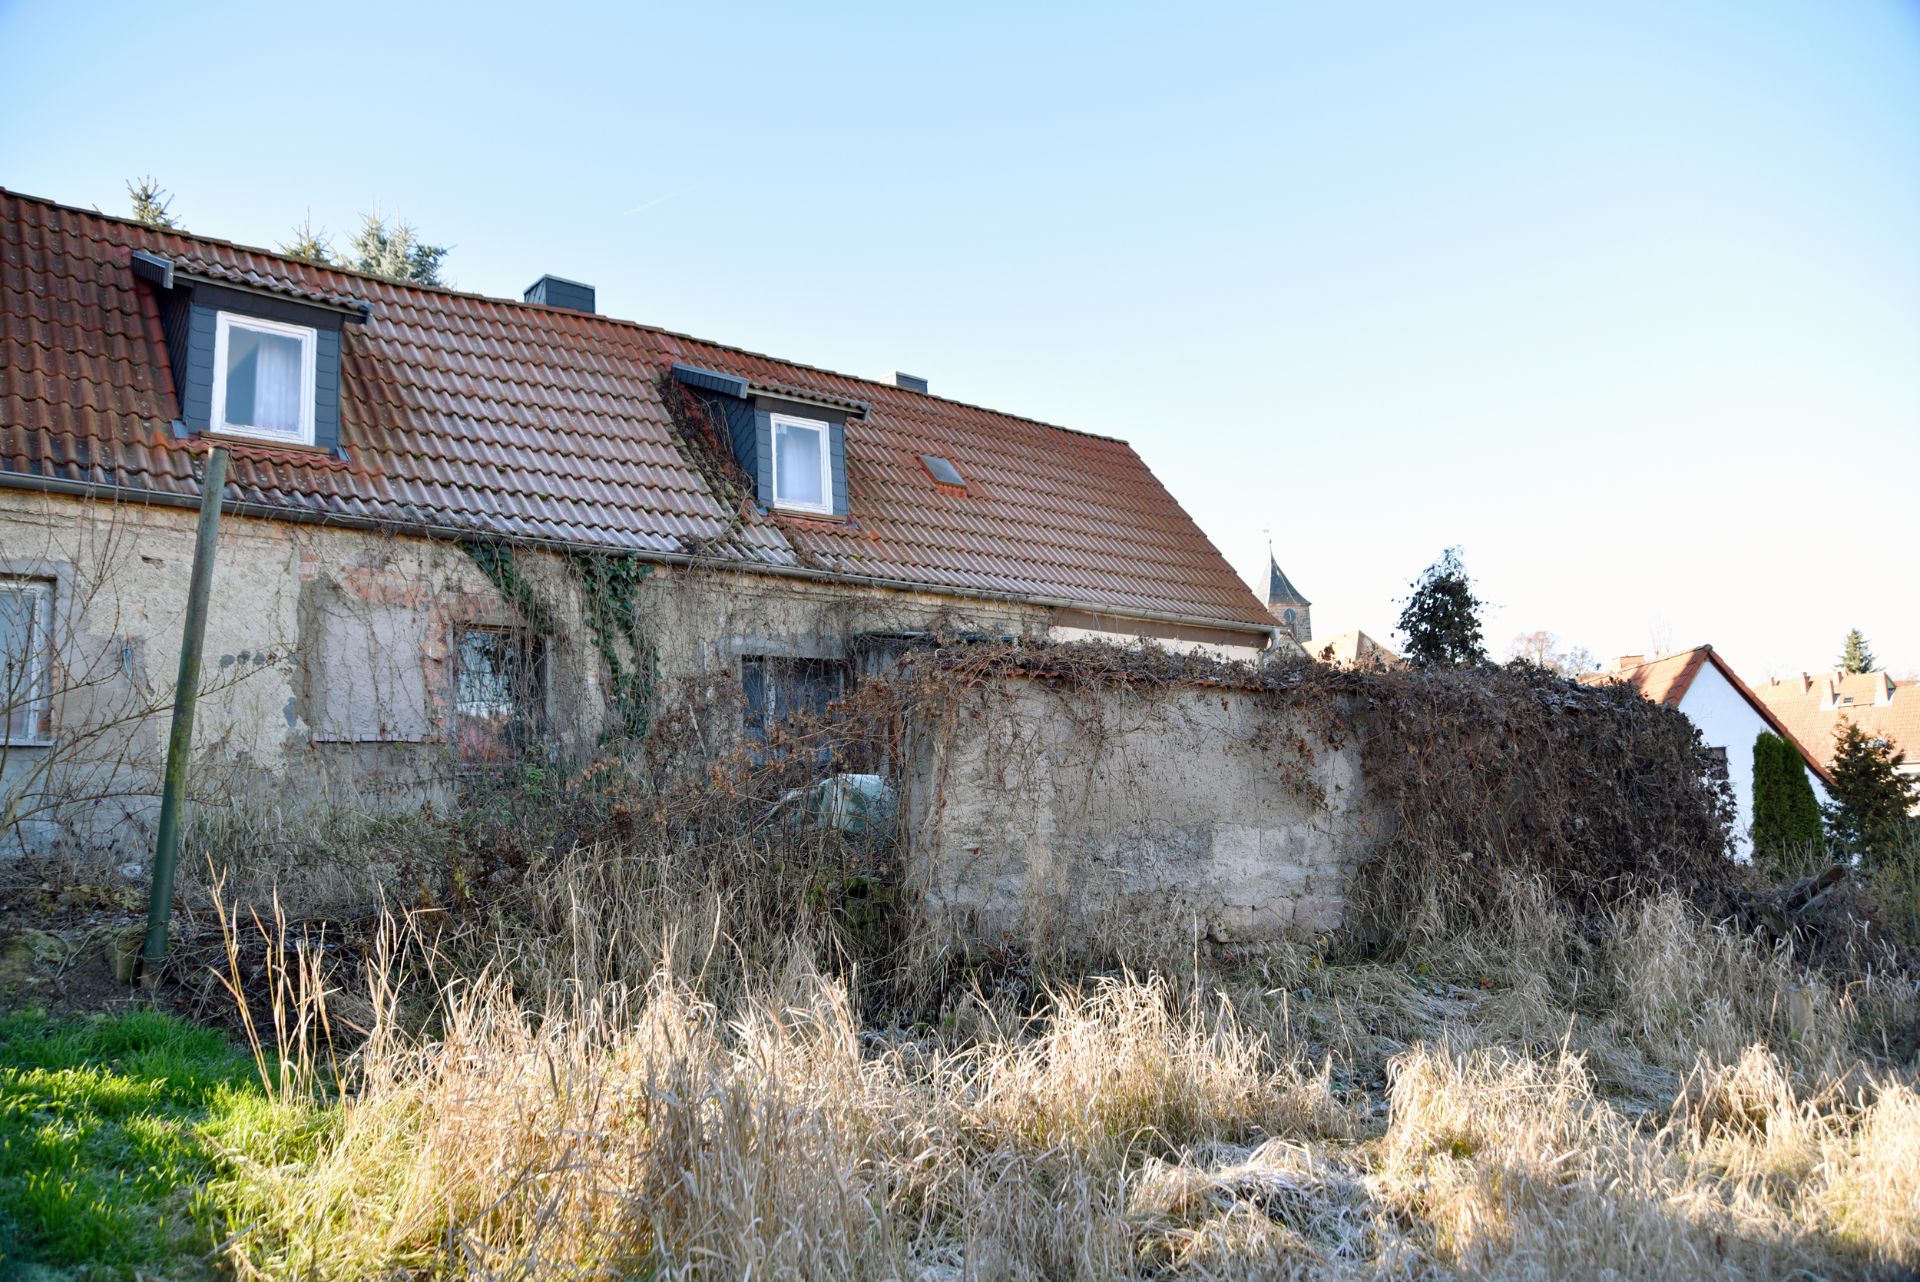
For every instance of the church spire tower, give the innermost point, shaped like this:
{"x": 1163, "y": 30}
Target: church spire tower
{"x": 1292, "y": 611}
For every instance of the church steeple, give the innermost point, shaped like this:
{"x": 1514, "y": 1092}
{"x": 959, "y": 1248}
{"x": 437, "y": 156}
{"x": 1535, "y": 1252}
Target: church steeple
{"x": 1291, "y": 610}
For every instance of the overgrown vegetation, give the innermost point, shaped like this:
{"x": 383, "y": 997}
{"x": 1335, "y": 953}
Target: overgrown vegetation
{"x": 668, "y": 1022}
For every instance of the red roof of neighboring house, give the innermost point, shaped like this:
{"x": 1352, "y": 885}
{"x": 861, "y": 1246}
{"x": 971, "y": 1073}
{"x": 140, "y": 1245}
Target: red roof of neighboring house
{"x": 470, "y": 415}
{"x": 1666, "y": 680}
{"x": 1814, "y": 705}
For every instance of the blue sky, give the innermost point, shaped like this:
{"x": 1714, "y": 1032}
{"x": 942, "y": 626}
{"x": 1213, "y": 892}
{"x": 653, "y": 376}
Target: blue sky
{"x": 1622, "y": 298}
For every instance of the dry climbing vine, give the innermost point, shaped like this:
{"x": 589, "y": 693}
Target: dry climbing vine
{"x": 609, "y": 585}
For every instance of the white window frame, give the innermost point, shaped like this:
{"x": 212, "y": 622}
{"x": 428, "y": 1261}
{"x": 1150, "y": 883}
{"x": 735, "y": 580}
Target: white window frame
{"x": 309, "y": 343}
{"x": 39, "y": 662}
{"x": 825, "y": 506}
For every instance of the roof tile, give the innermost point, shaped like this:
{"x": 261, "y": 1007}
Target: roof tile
{"x": 506, "y": 418}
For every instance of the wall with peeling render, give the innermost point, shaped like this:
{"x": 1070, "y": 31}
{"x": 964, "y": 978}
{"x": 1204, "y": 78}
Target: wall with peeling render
{"x": 327, "y": 668}
{"x": 1045, "y": 813}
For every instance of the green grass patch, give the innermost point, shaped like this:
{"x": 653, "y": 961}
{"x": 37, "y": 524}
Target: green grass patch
{"x": 104, "y": 1139}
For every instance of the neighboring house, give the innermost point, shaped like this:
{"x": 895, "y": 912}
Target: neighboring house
{"x": 441, "y": 507}
{"x": 1292, "y": 611}
{"x": 1727, "y": 712}
{"x": 1355, "y": 649}
{"x": 1814, "y": 706}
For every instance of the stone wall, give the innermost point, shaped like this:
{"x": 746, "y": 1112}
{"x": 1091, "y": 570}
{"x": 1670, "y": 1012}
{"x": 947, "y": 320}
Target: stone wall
{"x": 1048, "y": 809}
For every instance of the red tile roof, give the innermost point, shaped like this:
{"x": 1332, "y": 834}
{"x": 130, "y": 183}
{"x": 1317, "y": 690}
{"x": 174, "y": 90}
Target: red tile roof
{"x": 1812, "y": 706}
{"x": 470, "y": 415}
{"x": 1666, "y": 681}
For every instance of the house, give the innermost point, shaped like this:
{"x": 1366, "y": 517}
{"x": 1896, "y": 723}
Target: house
{"x": 1729, "y": 715}
{"x": 461, "y": 528}
{"x": 1355, "y": 649}
{"x": 1814, "y": 706}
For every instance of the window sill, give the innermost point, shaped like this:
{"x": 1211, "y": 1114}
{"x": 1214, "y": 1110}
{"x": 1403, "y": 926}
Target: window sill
{"x": 805, "y": 514}
{"x": 267, "y": 443}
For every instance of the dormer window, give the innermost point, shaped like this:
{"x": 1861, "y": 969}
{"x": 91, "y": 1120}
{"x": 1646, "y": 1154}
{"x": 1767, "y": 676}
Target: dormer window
{"x": 263, "y": 384}
{"x": 791, "y": 441}
{"x": 802, "y": 465}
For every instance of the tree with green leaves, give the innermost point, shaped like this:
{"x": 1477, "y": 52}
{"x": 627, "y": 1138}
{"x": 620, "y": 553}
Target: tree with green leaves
{"x": 1855, "y": 656}
{"x": 152, "y": 203}
{"x": 1440, "y": 620}
{"x": 395, "y": 251}
{"x": 1871, "y": 794}
{"x": 1786, "y": 815}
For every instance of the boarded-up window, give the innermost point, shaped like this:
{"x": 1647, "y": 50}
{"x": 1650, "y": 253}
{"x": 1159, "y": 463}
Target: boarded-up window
{"x": 26, "y": 661}
{"x": 368, "y": 673}
{"x": 499, "y": 686}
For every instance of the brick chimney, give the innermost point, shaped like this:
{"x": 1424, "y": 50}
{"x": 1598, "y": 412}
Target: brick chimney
{"x": 1626, "y": 661}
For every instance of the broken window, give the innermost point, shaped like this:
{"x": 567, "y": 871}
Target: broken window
{"x": 778, "y": 688}
{"x": 499, "y": 685}
{"x": 26, "y": 661}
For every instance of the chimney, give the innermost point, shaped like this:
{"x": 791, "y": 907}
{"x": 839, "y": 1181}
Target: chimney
{"x": 558, "y": 291}
{"x": 1626, "y": 661}
{"x": 912, "y": 382}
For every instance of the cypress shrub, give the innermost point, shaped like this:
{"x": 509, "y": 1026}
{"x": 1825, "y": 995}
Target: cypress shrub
{"x": 1786, "y": 818}
{"x": 1804, "y": 830}
{"x": 1771, "y": 808}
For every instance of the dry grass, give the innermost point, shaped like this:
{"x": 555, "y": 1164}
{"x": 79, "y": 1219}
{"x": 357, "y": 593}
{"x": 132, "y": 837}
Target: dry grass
{"x": 703, "y": 1101}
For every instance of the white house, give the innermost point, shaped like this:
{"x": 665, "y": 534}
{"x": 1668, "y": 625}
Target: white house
{"x": 1730, "y": 716}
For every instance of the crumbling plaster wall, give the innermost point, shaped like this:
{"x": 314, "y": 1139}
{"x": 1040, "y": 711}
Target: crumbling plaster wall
{"x": 327, "y": 673}
{"x": 1052, "y": 811}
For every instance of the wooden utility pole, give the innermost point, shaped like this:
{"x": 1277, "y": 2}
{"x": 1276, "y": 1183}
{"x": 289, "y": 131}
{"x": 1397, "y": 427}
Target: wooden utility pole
{"x": 186, "y": 694}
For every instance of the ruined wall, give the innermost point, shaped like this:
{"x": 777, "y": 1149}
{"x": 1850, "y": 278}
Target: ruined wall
{"x": 1049, "y": 808}
{"x": 329, "y": 660}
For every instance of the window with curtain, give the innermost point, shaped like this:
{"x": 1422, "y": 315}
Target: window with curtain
{"x": 801, "y": 479}
{"x": 26, "y": 661}
{"x": 499, "y": 681}
{"x": 263, "y": 379}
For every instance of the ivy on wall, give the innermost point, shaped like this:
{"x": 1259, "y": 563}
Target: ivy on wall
{"x": 609, "y": 586}
{"x": 609, "y": 591}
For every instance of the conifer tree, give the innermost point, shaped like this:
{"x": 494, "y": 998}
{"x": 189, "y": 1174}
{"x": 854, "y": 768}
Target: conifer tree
{"x": 1440, "y": 620}
{"x": 308, "y": 244}
{"x": 394, "y": 251}
{"x": 1770, "y": 806}
{"x": 151, "y": 202}
{"x": 1855, "y": 656}
{"x": 1871, "y": 796}
{"x": 1786, "y": 815}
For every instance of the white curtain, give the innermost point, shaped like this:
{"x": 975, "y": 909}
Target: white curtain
{"x": 276, "y": 384}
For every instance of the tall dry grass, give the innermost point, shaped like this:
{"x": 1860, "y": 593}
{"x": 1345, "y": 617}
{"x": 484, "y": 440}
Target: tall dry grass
{"x": 671, "y": 1075}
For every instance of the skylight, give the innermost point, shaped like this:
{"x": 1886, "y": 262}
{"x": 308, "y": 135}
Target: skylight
{"x": 942, "y": 470}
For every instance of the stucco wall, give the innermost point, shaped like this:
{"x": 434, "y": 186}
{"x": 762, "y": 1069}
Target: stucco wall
{"x": 1043, "y": 811}
{"x": 1726, "y": 720}
{"x": 327, "y": 663}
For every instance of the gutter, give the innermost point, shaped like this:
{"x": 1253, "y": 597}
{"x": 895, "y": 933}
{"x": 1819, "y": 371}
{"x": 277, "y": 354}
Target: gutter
{"x": 268, "y": 512}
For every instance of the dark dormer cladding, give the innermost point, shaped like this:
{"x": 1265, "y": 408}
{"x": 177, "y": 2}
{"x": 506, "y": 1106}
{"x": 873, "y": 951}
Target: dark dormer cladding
{"x": 791, "y": 441}
{"x": 279, "y": 344}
